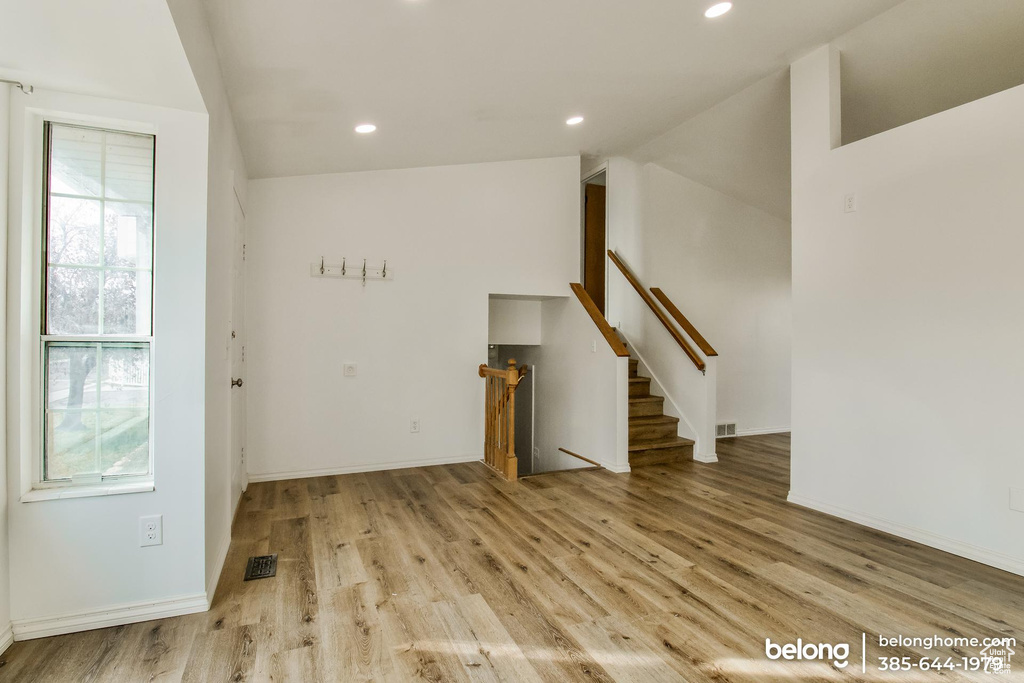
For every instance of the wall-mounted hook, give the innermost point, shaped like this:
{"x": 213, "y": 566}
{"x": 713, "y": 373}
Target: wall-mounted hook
{"x": 384, "y": 270}
{"x": 321, "y": 265}
{"x": 343, "y": 266}
{"x": 364, "y": 272}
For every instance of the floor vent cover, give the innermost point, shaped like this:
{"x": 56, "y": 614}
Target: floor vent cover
{"x": 261, "y": 567}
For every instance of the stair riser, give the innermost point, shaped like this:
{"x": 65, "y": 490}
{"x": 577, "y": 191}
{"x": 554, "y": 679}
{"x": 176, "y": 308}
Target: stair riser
{"x": 660, "y": 455}
{"x": 660, "y": 431}
{"x": 639, "y": 389}
{"x": 633, "y": 371}
{"x": 647, "y": 408}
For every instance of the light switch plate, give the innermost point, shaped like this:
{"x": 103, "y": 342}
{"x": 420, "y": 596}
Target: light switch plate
{"x": 1017, "y": 499}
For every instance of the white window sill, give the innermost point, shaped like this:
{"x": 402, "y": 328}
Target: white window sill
{"x": 64, "y": 492}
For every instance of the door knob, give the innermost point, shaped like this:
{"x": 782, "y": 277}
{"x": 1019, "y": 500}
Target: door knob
{"x": 236, "y": 382}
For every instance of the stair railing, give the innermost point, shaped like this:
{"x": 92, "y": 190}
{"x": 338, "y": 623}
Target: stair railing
{"x": 500, "y": 418}
{"x": 680, "y": 340}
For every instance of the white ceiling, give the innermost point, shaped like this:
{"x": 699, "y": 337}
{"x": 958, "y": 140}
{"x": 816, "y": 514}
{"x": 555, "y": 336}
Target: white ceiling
{"x": 458, "y": 81}
{"x": 926, "y": 56}
{"x": 740, "y": 146}
{"x": 914, "y": 60}
{"x": 120, "y": 49}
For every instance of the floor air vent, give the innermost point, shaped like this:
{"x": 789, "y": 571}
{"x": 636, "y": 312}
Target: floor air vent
{"x": 261, "y": 567}
{"x": 725, "y": 429}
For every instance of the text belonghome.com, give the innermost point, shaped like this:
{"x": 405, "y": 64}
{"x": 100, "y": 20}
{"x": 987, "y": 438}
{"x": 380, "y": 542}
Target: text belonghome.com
{"x": 904, "y": 653}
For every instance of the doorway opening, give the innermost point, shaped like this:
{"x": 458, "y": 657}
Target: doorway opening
{"x": 594, "y": 237}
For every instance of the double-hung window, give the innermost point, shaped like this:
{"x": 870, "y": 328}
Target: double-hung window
{"x": 97, "y": 305}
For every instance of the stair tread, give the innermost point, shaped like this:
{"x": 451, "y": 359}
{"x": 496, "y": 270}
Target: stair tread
{"x": 658, "y": 444}
{"x": 646, "y": 399}
{"x": 639, "y": 379}
{"x": 652, "y": 419}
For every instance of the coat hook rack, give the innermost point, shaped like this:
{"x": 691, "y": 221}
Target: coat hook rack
{"x": 322, "y": 268}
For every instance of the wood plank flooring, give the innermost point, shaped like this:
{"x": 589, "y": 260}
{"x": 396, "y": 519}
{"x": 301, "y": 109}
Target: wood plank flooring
{"x": 675, "y": 572}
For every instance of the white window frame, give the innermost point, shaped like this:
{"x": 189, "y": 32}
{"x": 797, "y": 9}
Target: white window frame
{"x": 35, "y": 146}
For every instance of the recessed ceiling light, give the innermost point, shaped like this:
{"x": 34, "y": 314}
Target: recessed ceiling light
{"x": 718, "y": 10}
{"x": 575, "y": 121}
{"x": 365, "y": 128}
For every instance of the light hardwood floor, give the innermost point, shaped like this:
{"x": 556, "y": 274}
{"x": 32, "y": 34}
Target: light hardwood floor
{"x": 673, "y": 572}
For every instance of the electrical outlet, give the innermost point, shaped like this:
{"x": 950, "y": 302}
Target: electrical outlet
{"x": 1017, "y": 499}
{"x": 414, "y": 425}
{"x": 151, "y": 530}
{"x": 850, "y": 203}
{"x": 536, "y": 452}
{"x": 349, "y": 369}
{"x": 593, "y": 346}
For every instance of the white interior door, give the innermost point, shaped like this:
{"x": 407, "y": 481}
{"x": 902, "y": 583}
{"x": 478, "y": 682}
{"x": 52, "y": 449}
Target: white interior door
{"x": 239, "y": 478}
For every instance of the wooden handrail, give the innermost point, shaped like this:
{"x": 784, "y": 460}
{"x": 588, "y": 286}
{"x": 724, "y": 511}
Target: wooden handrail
{"x": 683, "y": 344}
{"x": 577, "y": 455}
{"x": 606, "y": 330}
{"x": 485, "y": 371}
{"x": 687, "y": 326}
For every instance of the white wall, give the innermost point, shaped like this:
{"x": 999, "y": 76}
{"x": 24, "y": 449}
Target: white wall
{"x": 451, "y": 235}
{"x": 513, "y": 321}
{"x": 82, "y": 555}
{"x": 227, "y": 175}
{"x": 6, "y": 636}
{"x": 581, "y": 392}
{"x": 726, "y": 266}
{"x": 907, "y": 337}
{"x": 624, "y": 236}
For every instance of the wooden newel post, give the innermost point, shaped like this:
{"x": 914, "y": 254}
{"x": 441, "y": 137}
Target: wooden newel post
{"x": 500, "y": 417}
{"x": 511, "y": 462}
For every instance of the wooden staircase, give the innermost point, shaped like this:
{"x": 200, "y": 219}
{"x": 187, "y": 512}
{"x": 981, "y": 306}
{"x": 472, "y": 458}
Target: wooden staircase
{"x": 653, "y": 436}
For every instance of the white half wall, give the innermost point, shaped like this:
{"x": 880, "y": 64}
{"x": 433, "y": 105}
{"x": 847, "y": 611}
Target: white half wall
{"x": 451, "y": 235}
{"x": 907, "y": 337}
{"x": 582, "y": 394}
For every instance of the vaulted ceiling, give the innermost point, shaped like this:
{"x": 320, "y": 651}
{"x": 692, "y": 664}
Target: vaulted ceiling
{"x": 458, "y": 81}
{"x": 917, "y": 59}
{"x": 107, "y": 48}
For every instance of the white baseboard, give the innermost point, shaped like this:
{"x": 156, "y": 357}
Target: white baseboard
{"x": 617, "y": 469}
{"x": 6, "y": 639}
{"x": 363, "y": 467}
{"x": 950, "y": 545}
{"x": 712, "y": 457}
{"x": 27, "y": 629}
{"x": 758, "y": 432}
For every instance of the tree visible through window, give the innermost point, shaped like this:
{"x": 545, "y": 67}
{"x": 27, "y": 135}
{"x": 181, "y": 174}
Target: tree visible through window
{"x": 97, "y": 317}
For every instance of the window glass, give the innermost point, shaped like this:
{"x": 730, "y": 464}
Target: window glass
{"x": 97, "y": 302}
